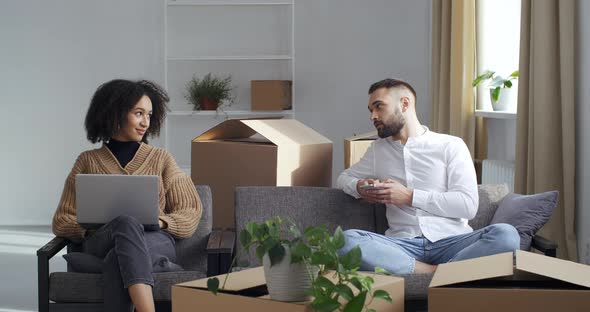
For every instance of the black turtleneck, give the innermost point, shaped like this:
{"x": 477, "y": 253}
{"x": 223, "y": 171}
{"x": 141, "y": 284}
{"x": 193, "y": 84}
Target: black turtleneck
{"x": 123, "y": 151}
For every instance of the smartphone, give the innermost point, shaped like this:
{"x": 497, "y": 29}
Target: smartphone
{"x": 370, "y": 187}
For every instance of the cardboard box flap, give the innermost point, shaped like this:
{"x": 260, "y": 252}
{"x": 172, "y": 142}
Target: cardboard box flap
{"x": 229, "y": 129}
{"x": 563, "y": 270}
{"x": 286, "y": 131}
{"x": 364, "y": 136}
{"x": 473, "y": 270}
{"x": 278, "y": 131}
{"x": 250, "y": 140}
{"x": 236, "y": 281}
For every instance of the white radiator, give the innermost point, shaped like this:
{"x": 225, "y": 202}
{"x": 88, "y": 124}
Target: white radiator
{"x": 498, "y": 172}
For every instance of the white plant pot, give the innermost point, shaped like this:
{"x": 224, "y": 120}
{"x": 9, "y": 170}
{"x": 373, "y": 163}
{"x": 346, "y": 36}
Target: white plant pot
{"x": 506, "y": 100}
{"x": 286, "y": 281}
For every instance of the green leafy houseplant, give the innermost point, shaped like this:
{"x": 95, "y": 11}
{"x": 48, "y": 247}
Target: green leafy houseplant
{"x": 496, "y": 84}
{"x": 207, "y": 93}
{"x": 318, "y": 250}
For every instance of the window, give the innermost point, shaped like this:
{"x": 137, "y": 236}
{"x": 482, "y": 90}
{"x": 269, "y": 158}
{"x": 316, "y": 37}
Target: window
{"x": 498, "y": 42}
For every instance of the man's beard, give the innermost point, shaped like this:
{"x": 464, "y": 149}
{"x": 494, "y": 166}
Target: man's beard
{"x": 393, "y": 126}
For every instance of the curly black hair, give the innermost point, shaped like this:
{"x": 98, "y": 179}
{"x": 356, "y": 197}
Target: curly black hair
{"x": 114, "y": 99}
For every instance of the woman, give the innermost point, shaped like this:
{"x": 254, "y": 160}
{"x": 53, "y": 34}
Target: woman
{"x": 122, "y": 114}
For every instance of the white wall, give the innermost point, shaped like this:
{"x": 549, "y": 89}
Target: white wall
{"x": 341, "y": 47}
{"x": 583, "y": 130}
{"x": 53, "y": 55}
{"x": 501, "y": 139}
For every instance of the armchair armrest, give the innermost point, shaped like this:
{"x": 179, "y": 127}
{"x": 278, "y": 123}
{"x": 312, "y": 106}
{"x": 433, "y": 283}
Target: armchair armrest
{"x": 549, "y": 248}
{"x": 52, "y": 247}
{"x": 220, "y": 250}
{"x": 43, "y": 255}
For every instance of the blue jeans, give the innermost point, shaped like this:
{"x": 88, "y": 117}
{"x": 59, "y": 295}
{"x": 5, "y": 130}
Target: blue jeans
{"x": 129, "y": 254}
{"x": 399, "y": 255}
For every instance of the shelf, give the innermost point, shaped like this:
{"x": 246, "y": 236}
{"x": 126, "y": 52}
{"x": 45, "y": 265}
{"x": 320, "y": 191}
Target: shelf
{"x": 232, "y": 58}
{"x": 495, "y": 114}
{"x": 210, "y": 3}
{"x": 231, "y": 113}
{"x": 262, "y": 47}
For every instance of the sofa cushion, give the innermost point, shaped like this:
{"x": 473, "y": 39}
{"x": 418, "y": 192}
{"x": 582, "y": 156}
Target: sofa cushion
{"x": 416, "y": 285}
{"x": 84, "y": 287}
{"x": 527, "y": 213}
{"x": 87, "y": 287}
{"x": 490, "y": 196}
{"x": 306, "y": 206}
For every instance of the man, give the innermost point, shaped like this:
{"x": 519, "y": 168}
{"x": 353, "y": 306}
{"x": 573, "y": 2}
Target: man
{"x": 427, "y": 182}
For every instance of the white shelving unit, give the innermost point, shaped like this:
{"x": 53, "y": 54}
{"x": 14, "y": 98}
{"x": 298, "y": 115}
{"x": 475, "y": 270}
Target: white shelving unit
{"x": 249, "y": 40}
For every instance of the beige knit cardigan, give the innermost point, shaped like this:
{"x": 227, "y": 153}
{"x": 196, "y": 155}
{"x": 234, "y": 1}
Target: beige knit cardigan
{"x": 180, "y": 206}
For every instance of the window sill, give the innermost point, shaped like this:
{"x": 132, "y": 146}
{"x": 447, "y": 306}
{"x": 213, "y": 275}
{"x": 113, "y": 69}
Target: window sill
{"x": 495, "y": 114}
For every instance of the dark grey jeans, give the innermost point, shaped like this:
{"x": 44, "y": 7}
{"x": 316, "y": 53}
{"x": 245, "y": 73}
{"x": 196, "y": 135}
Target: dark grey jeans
{"x": 129, "y": 252}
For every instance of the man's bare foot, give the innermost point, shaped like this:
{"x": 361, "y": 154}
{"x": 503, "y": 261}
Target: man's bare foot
{"x": 422, "y": 267}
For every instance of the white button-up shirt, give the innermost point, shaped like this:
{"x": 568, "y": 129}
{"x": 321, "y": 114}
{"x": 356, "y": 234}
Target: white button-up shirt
{"x": 440, "y": 170}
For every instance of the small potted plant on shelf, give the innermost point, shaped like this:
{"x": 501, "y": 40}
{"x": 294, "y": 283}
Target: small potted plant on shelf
{"x": 496, "y": 84}
{"x": 209, "y": 92}
{"x": 322, "y": 274}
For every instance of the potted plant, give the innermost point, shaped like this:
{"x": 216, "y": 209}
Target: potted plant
{"x": 332, "y": 277}
{"x": 500, "y": 100}
{"x": 278, "y": 245}
{"x": 207, "y": 93}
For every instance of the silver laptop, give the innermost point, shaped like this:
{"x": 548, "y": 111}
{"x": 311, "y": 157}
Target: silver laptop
{"x": 103, "y": 197}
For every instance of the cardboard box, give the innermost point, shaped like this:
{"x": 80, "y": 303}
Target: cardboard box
{"x": 356, "y": 146}
{"x": 245, "y": 291}
{"x": 536, "y": 283}
{"x": 262, "y": 152}
{"x": 270, "y": 95}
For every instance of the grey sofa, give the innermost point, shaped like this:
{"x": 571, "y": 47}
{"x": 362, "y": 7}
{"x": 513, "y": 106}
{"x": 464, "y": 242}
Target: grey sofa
{"x": 200, "y": 255}
{"x": 313, "y": 206}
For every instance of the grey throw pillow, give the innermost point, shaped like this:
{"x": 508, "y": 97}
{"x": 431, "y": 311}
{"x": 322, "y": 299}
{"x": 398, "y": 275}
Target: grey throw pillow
{"x": 83, "y": 262}
{"x": 527, "y": 213}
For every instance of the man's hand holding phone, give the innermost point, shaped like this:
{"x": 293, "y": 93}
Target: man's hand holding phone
{"x": 365, "y": 188}
{"x": 387, "y": 192}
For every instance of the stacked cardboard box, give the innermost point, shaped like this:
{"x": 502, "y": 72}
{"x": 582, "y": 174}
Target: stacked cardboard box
{"x": 258, "y": 152}
{"x": 356, "y": 146}
{"x": 270, "y": 95}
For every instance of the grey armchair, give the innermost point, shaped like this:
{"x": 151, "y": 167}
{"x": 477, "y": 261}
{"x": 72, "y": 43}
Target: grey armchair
{"x": 206, "y": 253}
{"x": 313, "y": 206}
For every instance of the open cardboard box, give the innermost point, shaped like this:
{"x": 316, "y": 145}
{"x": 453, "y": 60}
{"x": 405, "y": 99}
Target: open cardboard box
{"x": 536, "y": 283}
{"x": 245, "y": 291}
{"x": 356, "y": 146}
{"x": 258, "y": 152}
